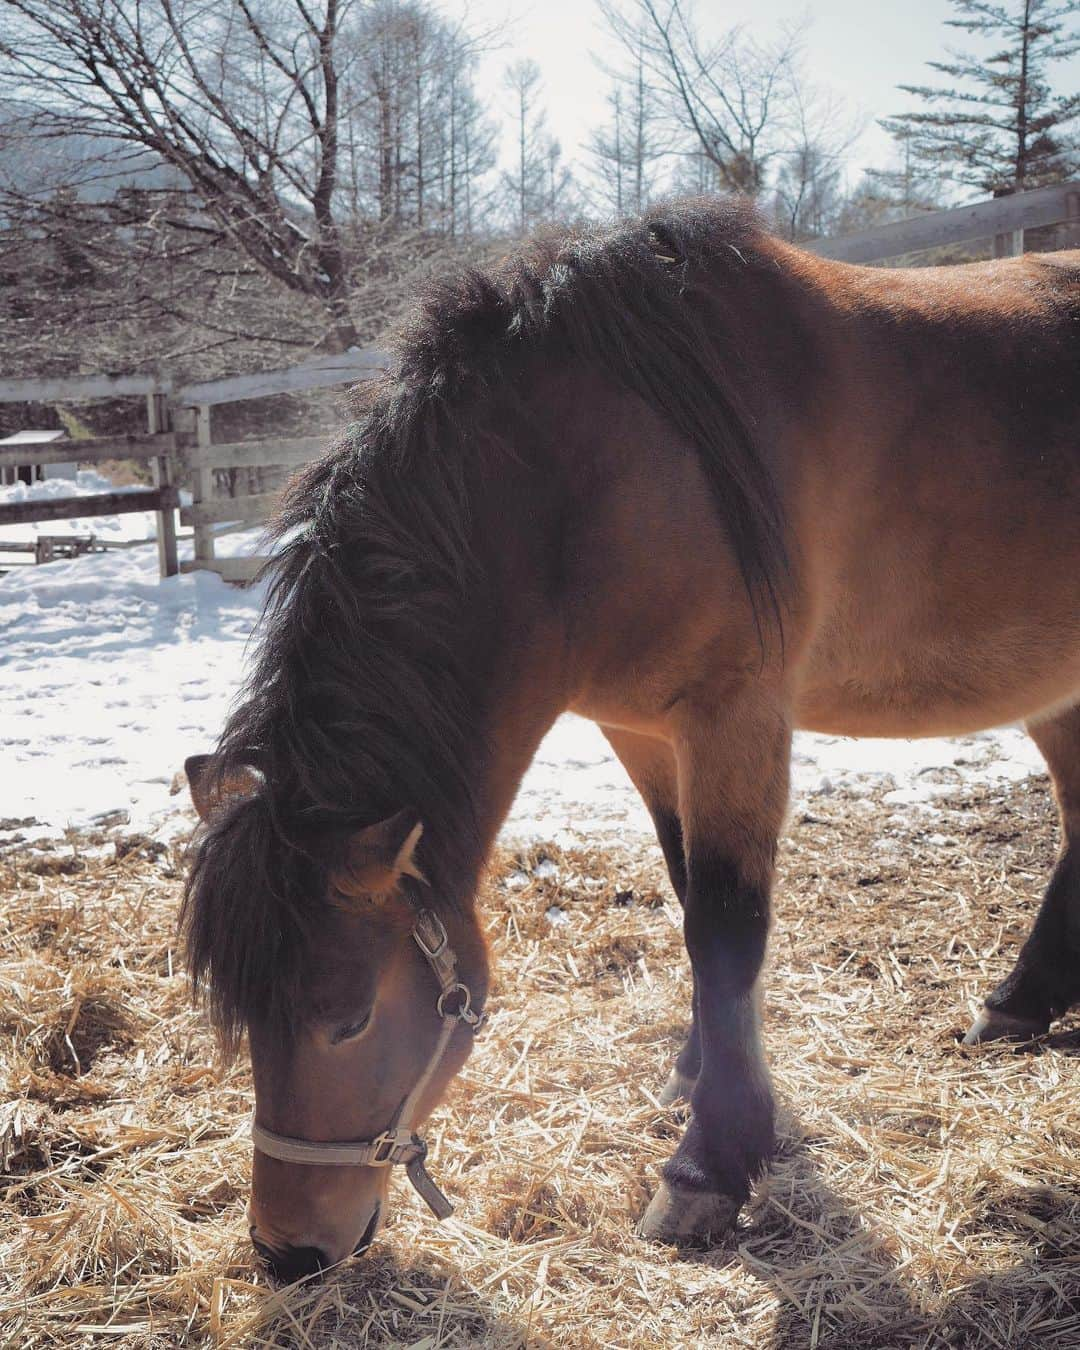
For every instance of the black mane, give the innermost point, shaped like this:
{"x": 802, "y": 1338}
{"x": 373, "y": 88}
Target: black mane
{"x": 360, "y": 700}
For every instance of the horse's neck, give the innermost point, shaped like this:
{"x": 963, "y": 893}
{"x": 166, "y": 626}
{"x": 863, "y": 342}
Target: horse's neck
{"x": 518, "y": 636}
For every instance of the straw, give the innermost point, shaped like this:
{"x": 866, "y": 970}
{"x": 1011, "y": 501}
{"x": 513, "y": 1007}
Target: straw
{"x": 923, "y": 1194}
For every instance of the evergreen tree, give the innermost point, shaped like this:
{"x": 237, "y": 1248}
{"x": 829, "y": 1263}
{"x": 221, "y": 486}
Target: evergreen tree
{"x": 999, "y": 126}
{"x": 909, "y": 186}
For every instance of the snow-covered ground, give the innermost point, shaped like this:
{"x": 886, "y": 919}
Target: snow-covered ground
{"x": 110, "y": 677}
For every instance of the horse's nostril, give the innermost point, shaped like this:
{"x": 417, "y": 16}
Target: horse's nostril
{"x": 293, "y": 1263}
{"x": 369, "y": 1232}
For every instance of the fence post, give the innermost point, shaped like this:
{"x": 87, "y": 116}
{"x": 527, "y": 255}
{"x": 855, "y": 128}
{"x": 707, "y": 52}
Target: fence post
{"x": 1072, "y": 218}
{"x": 158, "y": 421}
{"x": 202, "y": 483}
{"x": 1009, "y": 245}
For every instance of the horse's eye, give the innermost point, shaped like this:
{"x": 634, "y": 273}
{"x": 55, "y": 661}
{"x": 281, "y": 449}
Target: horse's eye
{"x": 349, "y": 1030}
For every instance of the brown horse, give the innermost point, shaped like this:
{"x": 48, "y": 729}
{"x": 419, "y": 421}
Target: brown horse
{"x": 703, "y": 488}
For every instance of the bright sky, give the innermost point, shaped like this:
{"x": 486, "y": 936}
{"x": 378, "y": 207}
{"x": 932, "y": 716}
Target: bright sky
{"x": 860, "y": 49}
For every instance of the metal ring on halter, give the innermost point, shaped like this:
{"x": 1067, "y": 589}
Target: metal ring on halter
{"x": 464, "y": 1011}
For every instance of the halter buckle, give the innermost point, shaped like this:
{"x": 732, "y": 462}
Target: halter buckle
{"x": 389, "y": 1148}
{"x": 429, "y": 934}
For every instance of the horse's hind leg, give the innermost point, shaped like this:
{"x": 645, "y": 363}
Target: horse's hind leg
{"x": 650, "y": 764}
{"x": 1046, "y": 978}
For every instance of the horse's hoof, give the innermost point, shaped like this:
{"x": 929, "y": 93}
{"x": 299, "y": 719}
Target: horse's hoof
{"x": 681, "y": 1217}
{"x": 677, "y": 1089}
{"x": 992, "y": 1025}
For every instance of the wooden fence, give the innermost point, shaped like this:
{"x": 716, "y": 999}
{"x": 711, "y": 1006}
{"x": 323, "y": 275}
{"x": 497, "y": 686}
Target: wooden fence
{"x": 179, "y": 445}
{"x": 205, "y": 455}
{"x": 179, "y": 442}
{"x": 1004, "y": 219}
{"x": 158, "y": 446}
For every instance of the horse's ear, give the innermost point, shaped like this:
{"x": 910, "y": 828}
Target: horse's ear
{"x": 212, "y": 794}
{"x": 378, "y": 856}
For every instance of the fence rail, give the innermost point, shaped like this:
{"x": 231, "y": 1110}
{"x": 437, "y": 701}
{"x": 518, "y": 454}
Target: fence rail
{"x": 255, "y": 454}
{"x": 77, "y": 388}
{"x": 90, "y": 451}
{"x": 1004, "y": 219}
{"x": 252, "y": 506}
{"x": 321, "y": 373}
{"x": 95, "y": 504}
{"x": 180, "y": 419}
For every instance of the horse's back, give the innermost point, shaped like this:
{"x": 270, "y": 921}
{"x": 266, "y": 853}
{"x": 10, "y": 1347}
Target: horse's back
{"x": 943, "y": 553}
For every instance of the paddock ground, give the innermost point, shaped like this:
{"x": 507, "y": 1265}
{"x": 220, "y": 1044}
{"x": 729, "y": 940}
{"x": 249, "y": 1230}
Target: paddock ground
{"x": 924, "y": 1195}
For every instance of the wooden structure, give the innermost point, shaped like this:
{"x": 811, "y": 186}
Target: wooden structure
{"x": 205, "y": 456}
{"x": 158, "y": 446}
{"x": 48, "y": 547}
{"x": 1003, "y": 219}
{"x": 34, "y": 473}
{"x": 190, "y": 449}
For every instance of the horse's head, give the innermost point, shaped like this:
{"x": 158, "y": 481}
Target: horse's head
{"x": 380, "y": 1019}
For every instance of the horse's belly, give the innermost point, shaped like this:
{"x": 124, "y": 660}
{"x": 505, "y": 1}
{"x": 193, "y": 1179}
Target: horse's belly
{"x": 934, "y": 694}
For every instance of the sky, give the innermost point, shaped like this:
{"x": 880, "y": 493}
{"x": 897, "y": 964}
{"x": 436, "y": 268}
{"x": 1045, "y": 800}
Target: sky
{"x": 860, "y": 49}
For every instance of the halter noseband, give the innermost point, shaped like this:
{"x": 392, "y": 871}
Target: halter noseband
{"x": 397, "y": 1143}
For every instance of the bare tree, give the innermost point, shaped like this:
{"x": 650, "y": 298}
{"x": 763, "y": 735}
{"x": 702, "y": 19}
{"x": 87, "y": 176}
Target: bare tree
{"x": 466, "y": 138}
{"x": 559, "y": 194}
{"x": 525, "y": 182}
{"x": 627, "y": 152}
{"x": 243, "y": 101}
{"x": 312, "y": 138}
{"x": 807, "y": 195}
{"x": 907, "y": 186}
{"x": 418, "y": 138}
{"x": 728, "y": 96}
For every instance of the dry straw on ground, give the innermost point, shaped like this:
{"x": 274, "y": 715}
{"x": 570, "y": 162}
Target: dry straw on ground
{"x": 924, "y": 1195}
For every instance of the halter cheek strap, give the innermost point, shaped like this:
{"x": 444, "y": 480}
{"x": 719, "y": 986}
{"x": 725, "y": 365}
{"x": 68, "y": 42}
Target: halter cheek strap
{"x": 397, "y": 1143}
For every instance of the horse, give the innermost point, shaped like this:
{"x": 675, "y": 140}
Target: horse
{"x": 700, "y": 486}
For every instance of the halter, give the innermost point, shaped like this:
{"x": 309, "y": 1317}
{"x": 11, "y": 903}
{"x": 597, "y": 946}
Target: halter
{"x": 397, "y": 1143}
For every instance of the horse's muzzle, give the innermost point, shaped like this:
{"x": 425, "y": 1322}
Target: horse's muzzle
{"x": 292, "y": 1263}
{"x": 369, "y": 1232}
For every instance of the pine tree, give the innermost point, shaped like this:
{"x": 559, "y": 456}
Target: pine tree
{"x": 999, "y": 127}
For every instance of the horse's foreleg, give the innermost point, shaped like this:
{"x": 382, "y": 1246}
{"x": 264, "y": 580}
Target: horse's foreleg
{"x": 650, "y": 763}
{"x": 733, "y": 775}
{"x": 1046, "y": 978}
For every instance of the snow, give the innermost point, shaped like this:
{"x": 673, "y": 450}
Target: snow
{"x": 110, "y": 677}
{"x": 576, "y": 784}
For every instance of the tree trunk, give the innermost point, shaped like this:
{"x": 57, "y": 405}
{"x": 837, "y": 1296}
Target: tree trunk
{"x": 1020, "y": 172}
